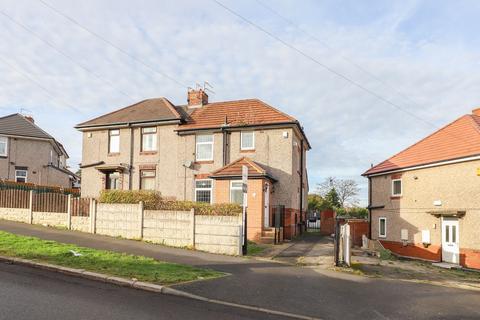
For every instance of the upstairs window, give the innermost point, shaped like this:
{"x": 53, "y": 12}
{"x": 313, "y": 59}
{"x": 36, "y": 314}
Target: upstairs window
{"x": 236, "y": 192}
{"x": 204, "y": 147}
{"x": 147, "y": 179}
{"x": 114, "y": 141}
{"x": 3, "y": 146}
{"x": 247, "y": 140}
{"x": 396, "y": 187}
{"x": 149, "y": 139}
{"x": 20, "y": 175}
{"x": 203, "y": 191}
{"x": 382, "y": 227}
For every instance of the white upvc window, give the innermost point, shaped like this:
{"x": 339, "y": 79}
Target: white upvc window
{"x": 147, "y": 179}
{"x": 247, "y": 140}
{"x": 397, "y": 187}
{"x": 21, "y": 175}
{"x": 382, "y": 227}
{"x": 114, "y": 141}
{"x": 149, "y": 139}
{"x": 204, "y": 147}
{"x": 3, "y": 146}
{"x": 236, "y": 192}
{"x": 203, "y": 190}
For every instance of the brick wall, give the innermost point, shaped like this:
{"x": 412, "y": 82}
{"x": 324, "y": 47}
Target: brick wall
{"x": 327, "y": 222}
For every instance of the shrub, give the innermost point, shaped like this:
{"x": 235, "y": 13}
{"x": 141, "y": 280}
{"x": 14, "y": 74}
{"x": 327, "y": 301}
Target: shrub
{"x": 153, "y": 201}
{"x": 149, "y": 198}
{"x": 355, "y": 212}
{"x": 386, "y": 254}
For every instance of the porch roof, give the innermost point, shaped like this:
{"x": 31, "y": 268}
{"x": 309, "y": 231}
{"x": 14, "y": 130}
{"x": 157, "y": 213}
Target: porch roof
{"x": 448, "y": 213}
{"x": 233, "y": 170}
{"x": 112, "y": 167}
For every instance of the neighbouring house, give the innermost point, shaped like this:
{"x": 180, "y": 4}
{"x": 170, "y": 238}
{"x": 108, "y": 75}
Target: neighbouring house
{"x": 196, "y": 152}
{"x": 30, "y": 155}
{"x": 424, "y": 201}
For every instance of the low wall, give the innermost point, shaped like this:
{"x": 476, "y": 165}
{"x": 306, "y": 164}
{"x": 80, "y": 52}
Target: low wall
{"x": 14, "y": 214}
{"x": 218, "y": 234}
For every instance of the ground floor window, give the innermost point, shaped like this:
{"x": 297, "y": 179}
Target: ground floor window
{"x": 21, "y": 175}
{"x": 236, "y": 192}
{"x": 203, "y": 191}
{"x": 382, "y": 227}
{"x": 147, "y": 179}
{"x": 113, "y": 181}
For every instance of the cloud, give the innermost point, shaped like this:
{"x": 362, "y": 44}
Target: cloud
{"x": 195, "y": 41}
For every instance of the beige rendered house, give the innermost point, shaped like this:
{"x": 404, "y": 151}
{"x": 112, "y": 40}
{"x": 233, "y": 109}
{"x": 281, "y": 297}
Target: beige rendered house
{"x": 30, "y": 155}
{"x": 425, "y": 200}
{"x": 196, "y": 152}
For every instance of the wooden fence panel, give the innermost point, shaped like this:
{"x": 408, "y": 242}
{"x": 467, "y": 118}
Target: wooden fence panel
{"x": 80, "y": 207}
{"x": 50, "y": 202}
{"x": 12, "y": 198}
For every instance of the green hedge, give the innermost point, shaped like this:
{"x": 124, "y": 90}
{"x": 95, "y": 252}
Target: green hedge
{"x": 154, "y": 201}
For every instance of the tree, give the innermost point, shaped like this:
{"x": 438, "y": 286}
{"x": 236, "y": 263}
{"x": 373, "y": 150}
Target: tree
{"x": 346, "y": 189}
{"x": 333, "y": 199}
{"x": 316, "y": 203}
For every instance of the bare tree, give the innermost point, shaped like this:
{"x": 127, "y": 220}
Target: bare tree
{"x": 347, "y": 190}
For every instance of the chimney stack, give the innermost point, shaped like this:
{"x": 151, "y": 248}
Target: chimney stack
{"x": 476, "y": 112}
{"x": 197, "y": 98}
{"x": 30, "y": 118}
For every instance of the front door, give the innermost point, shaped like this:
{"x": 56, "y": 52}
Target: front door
{"x": 266, "y": 209}
{"x": 450, "y": 237}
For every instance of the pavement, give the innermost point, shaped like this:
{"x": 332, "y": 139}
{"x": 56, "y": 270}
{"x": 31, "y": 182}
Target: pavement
{"x": 27, "y": 293}
{"x": 312, "y": 291}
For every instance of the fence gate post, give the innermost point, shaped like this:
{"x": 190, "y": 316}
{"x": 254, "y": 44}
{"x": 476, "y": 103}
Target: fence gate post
{"x": 192, "y": 230}
{"x": 93, "y": 215}
{"x": 140, "y": 209}
{"x": 69, "y": 212}
{"x": 30, "y": 207}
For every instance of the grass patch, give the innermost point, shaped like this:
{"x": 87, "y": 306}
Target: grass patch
{"x": 254, "y": 249}
{"x": 106, "y": 262}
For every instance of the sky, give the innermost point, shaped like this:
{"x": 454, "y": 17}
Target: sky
{"x": 366, "y": 79}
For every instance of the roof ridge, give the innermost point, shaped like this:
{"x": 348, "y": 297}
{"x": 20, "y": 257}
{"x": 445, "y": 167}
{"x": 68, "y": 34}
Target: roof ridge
{"x": 425, "y": 138}
{"x": 255, "y": 165}
{"x": 228, "y": 165}
{"x": 171, "y": 106}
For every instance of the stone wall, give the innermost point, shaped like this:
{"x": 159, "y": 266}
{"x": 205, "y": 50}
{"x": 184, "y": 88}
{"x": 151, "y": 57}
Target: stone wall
{"x": 172, "y": 228}
{"x": 218, "y": 234}
{"x": 119, "y": 220}
{"x": 81, "y": 224}
{"x": 55, "y": 219}
{"x": 14, "y": 214}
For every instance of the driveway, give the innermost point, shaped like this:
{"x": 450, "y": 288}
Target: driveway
{"x": 312, "y": 290}
{"x": 310, "y": 249}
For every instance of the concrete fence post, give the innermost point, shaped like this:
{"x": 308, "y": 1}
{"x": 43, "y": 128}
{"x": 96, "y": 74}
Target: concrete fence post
{"x": 141, "y": 218}
{"x": 240, "y": 240}
{"x": 192, "y": 227}
{"x": 93, "y": 216}
{"x": 30, "y": 207}
{"x": 69, "y": 212}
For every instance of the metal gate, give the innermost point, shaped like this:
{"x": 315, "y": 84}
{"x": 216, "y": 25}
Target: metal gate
{"x": 313, "y": 220}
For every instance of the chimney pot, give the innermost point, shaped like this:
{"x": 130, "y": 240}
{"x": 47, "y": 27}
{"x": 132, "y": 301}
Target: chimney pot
{"x": 197, "y": 98}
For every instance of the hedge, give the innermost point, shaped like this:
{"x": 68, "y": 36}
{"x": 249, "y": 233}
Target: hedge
{"x": 153, "y": 201}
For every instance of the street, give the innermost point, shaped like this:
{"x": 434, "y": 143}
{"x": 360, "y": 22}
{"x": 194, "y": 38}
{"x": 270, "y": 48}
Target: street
{"x": 27, "y": 293}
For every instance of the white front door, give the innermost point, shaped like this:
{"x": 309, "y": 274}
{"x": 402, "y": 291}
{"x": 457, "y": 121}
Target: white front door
{"x": 450, "y": 239}
{"x": 266, "y": 209}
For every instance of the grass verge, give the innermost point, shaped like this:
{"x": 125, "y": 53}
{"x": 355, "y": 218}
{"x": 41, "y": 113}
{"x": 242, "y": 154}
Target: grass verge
{"x": 255, "y": 249}
{"x": 106, "y": 262}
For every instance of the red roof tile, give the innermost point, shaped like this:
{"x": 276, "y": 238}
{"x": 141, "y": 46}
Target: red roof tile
{"x": 458, "y": 139}
{"x": 235, "y": 113}
{"x": 234, "y": 169}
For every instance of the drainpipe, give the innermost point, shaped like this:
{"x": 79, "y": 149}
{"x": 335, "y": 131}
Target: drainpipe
{"x": 130, "y": 167}
{"x": 301, "y": 183}
{"x": 369, "y": 207}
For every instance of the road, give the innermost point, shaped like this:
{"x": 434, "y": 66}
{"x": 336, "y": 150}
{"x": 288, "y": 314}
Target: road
{"x": 27, "y": 293}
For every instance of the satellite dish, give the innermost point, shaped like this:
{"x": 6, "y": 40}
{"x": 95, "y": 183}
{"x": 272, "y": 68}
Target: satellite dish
{"x": 187, "y": 164}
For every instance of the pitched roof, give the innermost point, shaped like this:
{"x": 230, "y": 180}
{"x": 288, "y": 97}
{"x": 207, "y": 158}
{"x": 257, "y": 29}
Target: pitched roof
{"x": 234, "y": 169}
{"x": 17, "y": 125}
{"x": 457, "y": 140}
{"x": 235, "y": 113}
{"x": 158, "y": 109}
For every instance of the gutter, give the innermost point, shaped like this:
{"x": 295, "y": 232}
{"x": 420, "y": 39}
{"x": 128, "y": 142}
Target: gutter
{"x": 369, "y": 207}
{"x": 126, "y": 124}
{"x": 301, "y": 183}
{"x": 130, "y": 165}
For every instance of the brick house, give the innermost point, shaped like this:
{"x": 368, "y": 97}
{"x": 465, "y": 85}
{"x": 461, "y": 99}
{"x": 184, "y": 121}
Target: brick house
{"x": 195, "y": 152}
{"x": 30, "y": 155}
{"x": 424, "y": 201}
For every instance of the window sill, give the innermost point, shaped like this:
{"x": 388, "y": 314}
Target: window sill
{"x": 395, "y": 197}
{"x": 204, "y": 162}
{"x": 247, "y": 150}
{"x": 113, "y": 154}
{"x": 148, "y": 153}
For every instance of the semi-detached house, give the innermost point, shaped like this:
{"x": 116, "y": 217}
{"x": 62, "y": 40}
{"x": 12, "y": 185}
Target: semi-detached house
{"x": 425, "y": 201}
{"x": 196, "y": 152}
